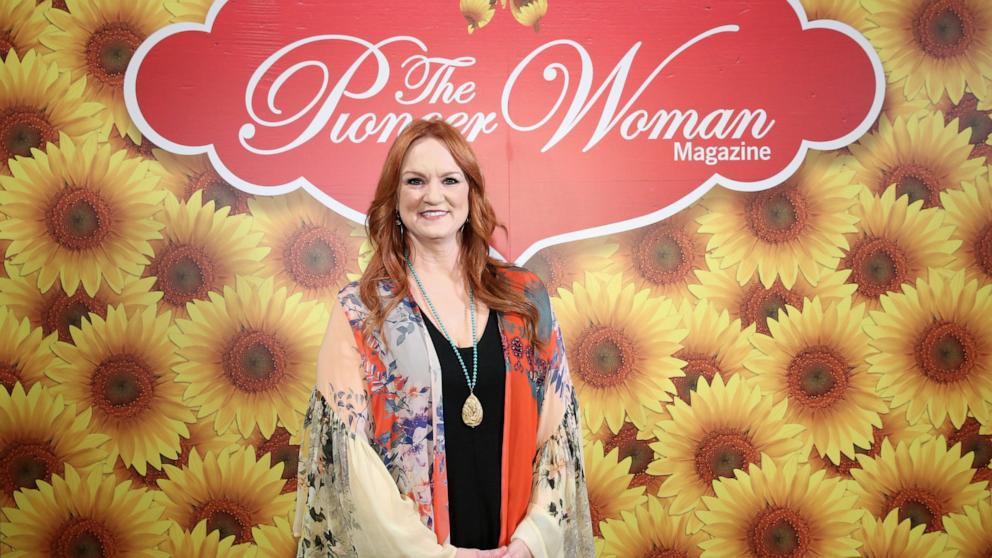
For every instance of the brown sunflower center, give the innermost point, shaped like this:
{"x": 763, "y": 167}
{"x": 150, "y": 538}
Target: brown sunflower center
{"x": 58, "y": 4}
{"x": 664, "y": 255}
{"x": 779, "y": 532}
{"x": 122, "y": 386}
{"x": 817, "y": 377}
{"x": 983, "y": 249}
{"x": 721, "y": 452}
{"x": 665, "y": 552}
{"x": 605, "y": 357}
{"x": 228, "y": 517}
{"x": 944, "y": 28}
{"x": 24, "y": 463}
{"x": 215, "y": 189}
{"x": 920, "y": 507}
{"x": 255, "y": 361}
{"x": 758, "y": 305}
{"x": 22, "y": 129}
{"x": 183, "y": 273}
{"x": 972, "y": 441}
{"x": 84, "y": 537}
{"x": 108, "y": 51}
{"x": 10, "y": 374}
{"x": 878, "y": 266}
{"x": 79, "y": 219}
{"x": 946, "y": 352}
{"x": 63, "y": 311}
{"x": 777, "y": 215}
{"x": 971, "y": 117}
{"x": 550, "y": 267}
{"x": 916, "y": 181}
{"x": 697, "y": 366}
{"x": 6, "y": 43}
{"x": 281, "y": 451}
{"x": 598, "y": 512}
{"x": 313, "y": 257}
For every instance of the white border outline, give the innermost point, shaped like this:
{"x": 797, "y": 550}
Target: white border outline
{"x": 131, "y": 102}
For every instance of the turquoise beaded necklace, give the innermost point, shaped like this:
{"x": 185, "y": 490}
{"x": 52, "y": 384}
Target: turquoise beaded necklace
{"x": 472, "y": 409}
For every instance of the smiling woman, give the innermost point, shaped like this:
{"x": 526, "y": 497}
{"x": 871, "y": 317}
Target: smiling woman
{"x": 427, "y": 436}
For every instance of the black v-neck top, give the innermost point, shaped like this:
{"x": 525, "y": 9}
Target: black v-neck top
{"x": 473, "y": 455}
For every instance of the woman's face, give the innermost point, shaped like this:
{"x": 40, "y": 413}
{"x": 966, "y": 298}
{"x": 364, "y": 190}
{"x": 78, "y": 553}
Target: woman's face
{"x": 433, "y": 192}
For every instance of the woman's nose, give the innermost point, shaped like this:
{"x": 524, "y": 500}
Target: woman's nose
{"x": 434, "y": 193}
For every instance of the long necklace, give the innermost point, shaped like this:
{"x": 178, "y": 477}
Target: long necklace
{"x": 472, "y": 408}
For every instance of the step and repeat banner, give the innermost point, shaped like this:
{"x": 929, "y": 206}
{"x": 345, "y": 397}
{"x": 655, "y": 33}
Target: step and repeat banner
{"x": 766, "y": 227}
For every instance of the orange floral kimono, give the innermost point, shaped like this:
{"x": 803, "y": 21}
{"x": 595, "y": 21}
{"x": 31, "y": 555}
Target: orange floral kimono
{"x": 372, "y": 478}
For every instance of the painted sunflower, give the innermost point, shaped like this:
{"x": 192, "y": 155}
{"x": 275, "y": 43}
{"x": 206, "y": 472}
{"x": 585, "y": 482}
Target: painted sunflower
{"x": 477, "y": 13}
{"x": 890, "y": 538}
{"x": 649, "y": 530}
{"x": 752, "y": 303}
{"x": 936, "y": 46}
{"x": 969, "y": 212}
{"x": 815, "y": 360}
{"x": 197, "y": 542}
{"x": 779, "y": 510}
{"x": 798, "y": 226}
{"x": 921, "y": 156}
{"x": 233, "y": 492}
{"x": 276, "y": 540}
{"x": 665, "y": 256}
{"x": 728, "y": 426}
{"x": 715, "y": 345}
{"x": 634, "y": 443}
{"x": 95, "y": 39}
{"x": 201, "y": 251}
{"x": 202, "y": 437}
{"x": 895, "y": 243}
{"x": 528, "y": 12}
{"x": 25, "y": 352}
{"x": 925, "y": 480}
{"x": 971, "y": 114}
{"x": 84, "y": 515}
{"x": 21, "y": 22}
{"x": 184, "y": 174}
{"x": 39, "y": 435}
{"x": 609, "y": 487}
{"x": 188, "y": 10}
{"x": 561, "y": 265}
{"x": 845, "y": 11}
{"x": 55, "y": 312}
{"x": 931, "y": 348}
{"x": 281, "y": 447}
{"x": 621, "y": 343}
{"x": 121, "y": 366}
{"x": 970, "y": 532}
{"x": 249, "y": 355}
{"x": 312, "y": 248}
{"x": 894, "y": 427}
{"x": 80, "y": 213}
{"x": 37, "y": 103}
{"x": 975, "y": 439}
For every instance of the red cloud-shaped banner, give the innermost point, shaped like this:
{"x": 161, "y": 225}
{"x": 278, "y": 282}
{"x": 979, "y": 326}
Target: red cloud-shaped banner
{"x": 614, "y": 115}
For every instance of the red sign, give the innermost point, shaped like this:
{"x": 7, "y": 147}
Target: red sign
{"x": 612, "y": 116}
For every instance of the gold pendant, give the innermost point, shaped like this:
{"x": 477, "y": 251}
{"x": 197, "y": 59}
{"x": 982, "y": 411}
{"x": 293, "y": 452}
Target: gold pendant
{"x": 472, "y": 411}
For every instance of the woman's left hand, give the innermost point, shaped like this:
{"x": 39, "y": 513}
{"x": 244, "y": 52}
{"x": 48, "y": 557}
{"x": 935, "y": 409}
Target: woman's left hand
{"x": 517, "y": 549}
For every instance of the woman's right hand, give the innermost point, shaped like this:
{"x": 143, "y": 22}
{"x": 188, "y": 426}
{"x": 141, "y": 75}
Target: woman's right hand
{"x": 476, "y": 553}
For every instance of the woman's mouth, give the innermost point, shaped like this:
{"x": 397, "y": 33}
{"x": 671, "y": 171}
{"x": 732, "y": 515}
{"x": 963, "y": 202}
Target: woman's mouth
{"x": 433, "y": 214}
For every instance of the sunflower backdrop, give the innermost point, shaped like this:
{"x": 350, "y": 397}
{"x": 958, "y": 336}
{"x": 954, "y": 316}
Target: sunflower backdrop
{"x": 804, "y": 371}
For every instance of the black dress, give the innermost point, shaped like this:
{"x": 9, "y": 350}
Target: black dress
{"x": 473, "y": 455}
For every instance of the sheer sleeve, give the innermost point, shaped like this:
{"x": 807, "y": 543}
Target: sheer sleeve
{"x": 558, "y": 521}
{"x": 347, "y": 504}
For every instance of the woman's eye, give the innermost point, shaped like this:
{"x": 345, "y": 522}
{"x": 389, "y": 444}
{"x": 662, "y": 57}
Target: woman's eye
{"x": 451, "y": 181}
{"x": 414, "y": 181}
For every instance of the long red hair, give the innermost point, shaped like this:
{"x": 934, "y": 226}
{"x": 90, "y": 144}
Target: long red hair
{"x": 389, "y": 243}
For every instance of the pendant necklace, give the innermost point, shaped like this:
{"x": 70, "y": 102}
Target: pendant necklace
{"x": 472, "y": 408}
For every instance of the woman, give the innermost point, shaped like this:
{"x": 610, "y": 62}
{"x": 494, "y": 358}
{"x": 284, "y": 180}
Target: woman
{"x": 444, "y": 422}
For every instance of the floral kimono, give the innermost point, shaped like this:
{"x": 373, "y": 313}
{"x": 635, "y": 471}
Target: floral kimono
{"x": 372, "y": 478}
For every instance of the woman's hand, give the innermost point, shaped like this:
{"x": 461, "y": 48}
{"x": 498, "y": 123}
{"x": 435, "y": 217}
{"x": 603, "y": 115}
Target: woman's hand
{"x": 476, "y": 553}
{"x": 517, "y": 549}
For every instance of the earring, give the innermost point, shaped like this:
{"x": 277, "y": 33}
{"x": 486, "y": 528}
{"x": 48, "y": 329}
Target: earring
{"x": 399, "y": 223}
